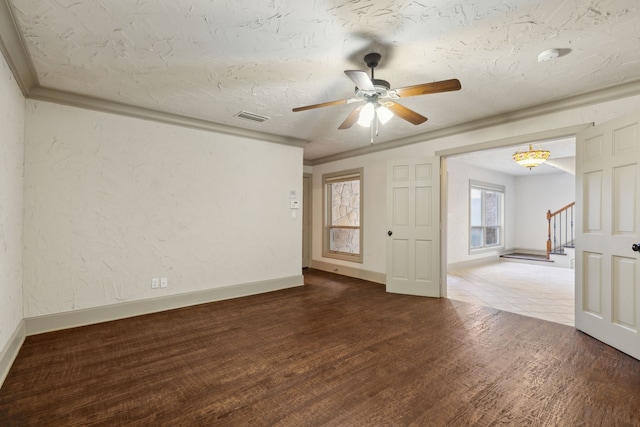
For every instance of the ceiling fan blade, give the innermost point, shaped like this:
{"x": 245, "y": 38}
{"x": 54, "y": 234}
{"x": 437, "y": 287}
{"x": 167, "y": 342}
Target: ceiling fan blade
{"x": 324, "y": 104}
{"x": 352, "y": 118}
{"x": 361, "y": 79}
{"x": 426, "y": 88}
{"x": 405, "y": 113}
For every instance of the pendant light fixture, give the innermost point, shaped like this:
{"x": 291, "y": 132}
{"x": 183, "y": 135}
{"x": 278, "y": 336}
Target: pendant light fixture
{"x": 532, "y": 158}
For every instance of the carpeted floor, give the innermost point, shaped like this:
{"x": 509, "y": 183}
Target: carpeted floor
{"x": 539, "y": 291}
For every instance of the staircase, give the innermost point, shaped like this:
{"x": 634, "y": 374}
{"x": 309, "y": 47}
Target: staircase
{"x": 560, "y": 241}
{"x": 561, "y": 236}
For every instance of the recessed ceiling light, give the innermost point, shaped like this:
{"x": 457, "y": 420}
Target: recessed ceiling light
{"x": 548, "y": 55}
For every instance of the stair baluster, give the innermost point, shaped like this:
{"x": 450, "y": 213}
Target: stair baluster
{"x": 555, "y": 242}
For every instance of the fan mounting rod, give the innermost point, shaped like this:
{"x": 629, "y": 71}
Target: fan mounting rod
{"x": 372, "y": 59}
{"x": 382, "y": 87}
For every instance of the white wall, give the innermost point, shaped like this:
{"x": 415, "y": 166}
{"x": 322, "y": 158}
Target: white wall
{"x": 534, "y": 197}
{"x": 374, "y": 164}
{"x": 11, "y": 203}
{"x": 459, "y": 175}
{"x": 112, "y": 201}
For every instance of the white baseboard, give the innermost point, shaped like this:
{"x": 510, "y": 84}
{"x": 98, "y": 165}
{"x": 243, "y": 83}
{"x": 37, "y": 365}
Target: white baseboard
{"x": 473, "y": 262}
{"x": 371, "y": 276}
{"x": 10, "y": 351}
{"x": 72, "y": 319}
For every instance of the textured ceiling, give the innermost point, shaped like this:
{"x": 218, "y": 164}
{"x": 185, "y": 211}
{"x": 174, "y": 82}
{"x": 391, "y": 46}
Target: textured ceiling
{"x": 209, "y": 60}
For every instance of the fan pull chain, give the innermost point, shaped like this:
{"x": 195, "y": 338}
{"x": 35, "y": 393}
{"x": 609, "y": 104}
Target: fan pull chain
{"x": 372, "y": 132}
{"x": 374, "y": 122}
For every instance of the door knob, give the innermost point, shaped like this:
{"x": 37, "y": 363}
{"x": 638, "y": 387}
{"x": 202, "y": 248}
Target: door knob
{"x": 636, "y": 247}
{"x": 391, "y": 232}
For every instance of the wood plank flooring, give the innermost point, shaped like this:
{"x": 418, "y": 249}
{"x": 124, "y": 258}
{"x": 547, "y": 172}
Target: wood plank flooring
{"x": 336, "y": 352}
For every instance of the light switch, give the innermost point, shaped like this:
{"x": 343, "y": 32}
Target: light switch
{"x": 294, "y": 204}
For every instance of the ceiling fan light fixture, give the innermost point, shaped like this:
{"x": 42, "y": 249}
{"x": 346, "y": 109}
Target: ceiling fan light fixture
{"x": 384, "y": 114}
{"x": 532, "y": 158}
{"x": 366, "y": 115}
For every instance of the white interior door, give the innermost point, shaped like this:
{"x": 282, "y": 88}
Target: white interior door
{"x": 607, "y": 221}
{"x": 413, "y": 219}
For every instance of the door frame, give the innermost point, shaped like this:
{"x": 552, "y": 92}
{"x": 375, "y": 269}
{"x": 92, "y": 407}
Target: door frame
{"x": 570, "y": 131}
{"x": 307, "y": 202}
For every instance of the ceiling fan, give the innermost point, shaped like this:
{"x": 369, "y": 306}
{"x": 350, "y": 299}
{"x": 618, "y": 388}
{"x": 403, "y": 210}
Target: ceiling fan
{"x": 378, "y": 99}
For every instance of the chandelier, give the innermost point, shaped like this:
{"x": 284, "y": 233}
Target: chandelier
{"x": 532, "y": 158}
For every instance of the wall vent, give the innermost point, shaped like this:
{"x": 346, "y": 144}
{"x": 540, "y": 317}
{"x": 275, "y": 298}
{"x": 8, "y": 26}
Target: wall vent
{"x": 250, "y": 116}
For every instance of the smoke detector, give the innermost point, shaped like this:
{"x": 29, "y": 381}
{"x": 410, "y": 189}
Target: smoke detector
{"x": 548, "y": 55}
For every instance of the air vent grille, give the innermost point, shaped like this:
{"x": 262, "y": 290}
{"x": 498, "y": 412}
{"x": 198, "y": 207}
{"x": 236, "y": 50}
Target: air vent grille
{"x": 251, "y": 116}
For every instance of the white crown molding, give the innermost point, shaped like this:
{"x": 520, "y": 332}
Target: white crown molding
{"x": 16, "y": 54}
{"x": 14, "y": 50}
{"x": 595, "y": 97}
{"x": 75, "y": 100}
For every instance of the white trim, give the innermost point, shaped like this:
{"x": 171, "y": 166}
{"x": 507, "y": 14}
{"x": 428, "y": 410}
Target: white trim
{"x": 473, "y": 262}
{"x": 13, "y": 48}
{"x": 468, "y": 127}
{"x": 516, "y": 140}
{"x": 371, "y": 276}
{"x": 15, "y": 53}
{"x": 327, "y": 208}
{"x": 104, "y": 105}
{"x": 307, "y": 209}
{"x": 484, "y": 187}
{"x": 10, "y": 351}
{"x": 72, "y": 319}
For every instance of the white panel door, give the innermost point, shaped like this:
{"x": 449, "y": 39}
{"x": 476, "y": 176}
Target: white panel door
{"x": 413, "y": 219}
{"x": 607, "y": 222}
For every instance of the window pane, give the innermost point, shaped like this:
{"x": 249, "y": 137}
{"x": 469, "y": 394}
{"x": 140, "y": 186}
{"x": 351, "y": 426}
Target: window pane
{"x": 492, "y": 208}
{"x": 344, "y": 240}
{"x": 492, "y": 236}
{"x": 485, "y": 222}
{"x": 476, "y": 237}
{"x": 342, "y": 232}
{"x": 345, "y": 203}
{"x": 476, "y": 207}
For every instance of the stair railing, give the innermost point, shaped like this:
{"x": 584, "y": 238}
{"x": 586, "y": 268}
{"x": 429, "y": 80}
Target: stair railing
{"x": 560, "y": 233}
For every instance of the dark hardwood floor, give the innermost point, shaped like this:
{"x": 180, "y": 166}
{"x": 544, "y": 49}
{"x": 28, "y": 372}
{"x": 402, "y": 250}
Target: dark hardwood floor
{"x": 338, "y": 351}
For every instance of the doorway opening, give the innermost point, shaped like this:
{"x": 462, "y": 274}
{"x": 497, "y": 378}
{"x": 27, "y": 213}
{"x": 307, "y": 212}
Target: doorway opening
{"x": 537, "y": 288}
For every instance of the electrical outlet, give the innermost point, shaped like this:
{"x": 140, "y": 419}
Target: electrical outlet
{"x": 155, "y": 283}
{"x": 164, "y": 282}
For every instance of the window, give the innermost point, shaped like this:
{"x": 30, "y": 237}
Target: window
{"x": 486, "y": 203}
{"x": 342, "y": 236}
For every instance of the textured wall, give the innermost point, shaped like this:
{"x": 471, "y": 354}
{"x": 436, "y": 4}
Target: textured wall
{"x": 111, "y": 202}
{"x": 11, "y": 183}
